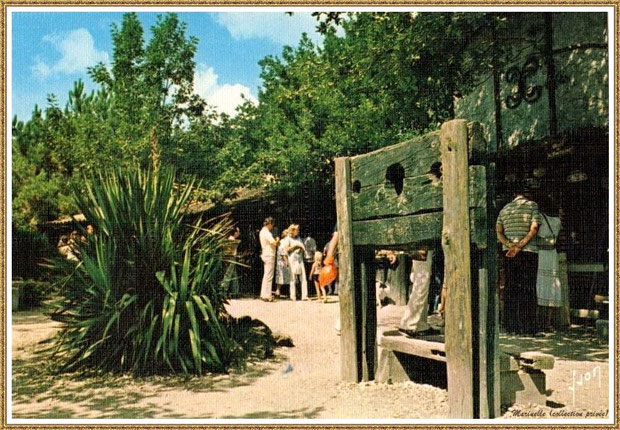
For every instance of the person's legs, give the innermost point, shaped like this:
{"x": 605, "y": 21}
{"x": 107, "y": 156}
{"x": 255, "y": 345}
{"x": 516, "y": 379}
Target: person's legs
{"x": 550, "y": 319}
{"x": 523, "y": 274}
{"x": 293, "y": 287}
{"x": 304, "y": 283}
{"x": 416, "y": 312}
{"x": 269, "y": 265}
{"x": 531, "y": 302}
{"x": 511, "y": 294}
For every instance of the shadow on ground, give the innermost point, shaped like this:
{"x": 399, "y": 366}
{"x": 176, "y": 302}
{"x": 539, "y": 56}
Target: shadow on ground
{"x": 296, "y": 413}
{"x": 115, "y": 396}
{"x": 578, "y": 343}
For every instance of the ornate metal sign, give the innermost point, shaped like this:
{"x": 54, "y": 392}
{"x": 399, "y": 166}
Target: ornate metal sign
{"x": 524, "y": 90}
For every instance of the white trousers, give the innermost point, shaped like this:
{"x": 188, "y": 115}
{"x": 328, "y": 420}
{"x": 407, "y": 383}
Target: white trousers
{"x": 416, "y": 312}
{"x": 269, "y": 268}
{"x": 298, "y": 268}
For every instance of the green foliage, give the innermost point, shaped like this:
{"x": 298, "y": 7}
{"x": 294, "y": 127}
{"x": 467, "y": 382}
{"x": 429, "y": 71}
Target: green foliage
{"x": 144, "y": 297}
{"x": 29, "y": 249}
{"x": 390, "y": 76}
{"x": 138, "y": 113}
{"x": 382, "y": 78}
{"x": 32, "y": 293}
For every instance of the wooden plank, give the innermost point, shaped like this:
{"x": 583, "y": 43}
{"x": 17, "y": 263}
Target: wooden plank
{"x": 414, "y": 230}
{"x": 592, "y": 314}
{"x": 586, "y": 268}
{"x": 349, "y": 366}
{"x": 476, "y": 143}
{"x": 422, "y": 193}
{"x": 365, "y": 276}
{"x": 536, "y": 360}
{"x": 418, "y": 347}
{"x": 416, "y": 156}
{"x": 493, "y": 348}
{"x": 406, "y": 230}
{"x": 508, "y": 363}
{"x": 488, "y": 319}
{"x": 483, "y": 374}
{"x": 599, "y": 298}
{"x": 456, "y": 245}
{"x": 478, "y": 226}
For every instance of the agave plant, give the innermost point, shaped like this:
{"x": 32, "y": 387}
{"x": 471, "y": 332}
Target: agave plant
{"x": 145, "y": 295}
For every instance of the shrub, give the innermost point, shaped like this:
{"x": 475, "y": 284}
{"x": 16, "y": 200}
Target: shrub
{"x": 145, "y": 296}
{"x": 29, "y": 249}
{"x": 32, "y": 293}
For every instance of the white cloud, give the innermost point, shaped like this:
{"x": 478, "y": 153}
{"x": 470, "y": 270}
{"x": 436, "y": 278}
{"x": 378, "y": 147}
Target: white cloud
{"x": 77, "y": 50}
{"x": 226, "y": 97}
{"x": 275, "y": 26}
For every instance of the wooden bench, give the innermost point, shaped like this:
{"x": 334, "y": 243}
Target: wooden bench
{"x": 522, "y": 377}
{"x": 392, "y": 345}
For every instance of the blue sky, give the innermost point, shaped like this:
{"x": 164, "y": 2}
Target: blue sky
{"x": 51, "y": 50}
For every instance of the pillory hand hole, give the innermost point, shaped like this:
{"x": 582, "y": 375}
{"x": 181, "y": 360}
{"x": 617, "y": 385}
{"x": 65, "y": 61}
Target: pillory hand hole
{"x": 395, "y": 174}
{"x": 436, "y": 169}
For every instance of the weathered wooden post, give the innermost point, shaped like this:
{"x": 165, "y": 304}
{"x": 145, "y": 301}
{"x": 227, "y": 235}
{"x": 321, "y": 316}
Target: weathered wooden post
{"x": 456, "y": 245}
{"x": 349, "y": 361}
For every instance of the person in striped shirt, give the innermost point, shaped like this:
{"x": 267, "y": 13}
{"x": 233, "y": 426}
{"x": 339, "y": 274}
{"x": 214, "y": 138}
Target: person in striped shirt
{"x": 517, "y": 224}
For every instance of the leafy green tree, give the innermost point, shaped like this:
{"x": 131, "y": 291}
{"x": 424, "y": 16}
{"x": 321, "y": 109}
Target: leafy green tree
{"x": 387, "y": 77}
{"x": 143, "y": 107}
{"x": 381, "y": 79}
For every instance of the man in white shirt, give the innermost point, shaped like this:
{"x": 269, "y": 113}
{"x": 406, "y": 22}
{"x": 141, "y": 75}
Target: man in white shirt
{"x": 268, "y": 245}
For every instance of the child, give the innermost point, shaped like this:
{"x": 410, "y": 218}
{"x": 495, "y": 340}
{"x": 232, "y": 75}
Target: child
{"x": 314, "y": 275}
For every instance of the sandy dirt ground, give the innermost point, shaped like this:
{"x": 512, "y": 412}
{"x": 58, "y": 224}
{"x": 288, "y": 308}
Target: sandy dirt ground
{"x": 299, "y": 382}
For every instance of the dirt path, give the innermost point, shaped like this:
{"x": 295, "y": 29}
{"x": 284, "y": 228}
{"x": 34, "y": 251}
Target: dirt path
{"x": 300, "y": 382}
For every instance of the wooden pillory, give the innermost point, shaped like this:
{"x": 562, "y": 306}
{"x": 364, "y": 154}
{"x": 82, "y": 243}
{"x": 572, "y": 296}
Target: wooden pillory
{"x": 435, "y": 188}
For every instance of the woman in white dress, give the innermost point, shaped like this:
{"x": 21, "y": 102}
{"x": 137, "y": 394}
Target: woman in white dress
{"x": 548, "y": 285}
{"x": 283, "y": 273}
{"x": 295, "y": 249}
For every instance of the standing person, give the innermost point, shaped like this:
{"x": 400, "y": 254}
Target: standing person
{"x": 414, "y": 321}
{"x": 295, "y": 250}
{"x": 330, "y": 253}
{"x": 517, "y": 224}
{"x": 314, "y": 276}
{"x": 548, "y": 285}
{"x": 384, "y": 278}
{"x": 283, "y": 273}
{"x": 329, "y": 272}
{"x": 310, "y": 249}
{"x": 437, "y": 284}
{"x": 268, "y": 254}
{"x": 231, "y": 279}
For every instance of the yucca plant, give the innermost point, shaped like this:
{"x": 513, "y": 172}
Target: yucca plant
{"x": 145, "y": 295}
